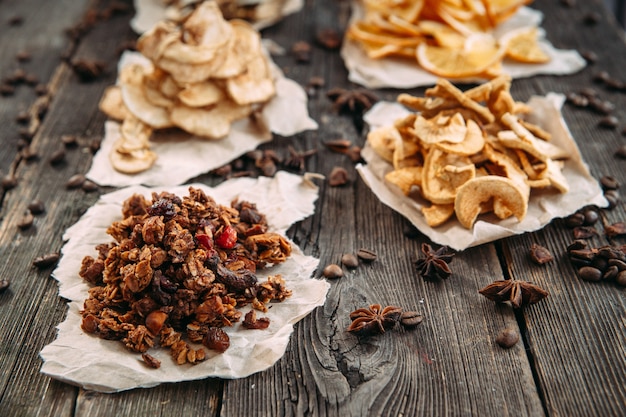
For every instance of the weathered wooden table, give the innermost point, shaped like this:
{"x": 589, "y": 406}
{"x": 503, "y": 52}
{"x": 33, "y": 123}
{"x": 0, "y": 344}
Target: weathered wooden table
{"x": 572, "y": 357}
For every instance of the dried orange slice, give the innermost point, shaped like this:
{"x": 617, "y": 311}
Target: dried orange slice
{"x": 479, "y": 53}
{"x": 522, "y": 45}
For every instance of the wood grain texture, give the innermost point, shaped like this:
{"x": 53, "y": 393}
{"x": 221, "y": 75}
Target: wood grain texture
{"x": 570, "y": 361}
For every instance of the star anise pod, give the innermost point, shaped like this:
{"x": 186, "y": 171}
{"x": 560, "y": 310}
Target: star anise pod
{"x": 296, "y": 160}
{"x": 352, "y": 101}
{"x": 518, "y": 293}
{"x": 435, "y": 265}
{"x": 374, "y": 320}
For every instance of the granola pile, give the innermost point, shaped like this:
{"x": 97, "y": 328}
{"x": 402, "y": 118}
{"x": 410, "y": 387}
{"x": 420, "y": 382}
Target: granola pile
{"x": 178, "y": 272}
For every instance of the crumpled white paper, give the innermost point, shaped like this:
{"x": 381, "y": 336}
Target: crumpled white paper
{"x": 181, "y": 156}
{"x": 543, "y": 206}
{"x": 107, "y": 366}
{"x": 149, "y": 12}
{"x": 398, "y": 73}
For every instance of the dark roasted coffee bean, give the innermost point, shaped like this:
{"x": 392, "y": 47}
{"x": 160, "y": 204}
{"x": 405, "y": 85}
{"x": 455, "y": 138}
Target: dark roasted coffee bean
{"x": 575, "y": 220}
{"x": 411, "y": 319}
{"x": 540, "y": 255}
{"x": 354, "y": 153}
{"x": 316, "y": 82}
{"x": 338, "y": 177}
{"x": 589, "y": 92}
{"x": 22, "y": 117}
{"x": 15, "y": 20}
{"x": 89, "y": 186}
{"x": 4, "y": 285}
{"x": 620, "y": 279}
{"x": 615, "y": 229}
{"x": 8, "y": 182}
{"x": 57, "y": 157}
{"x": 329, "y": 38}
{"x": 6, "y": 90}
{"x": 301, "y": 51}
{"x": 608, "y": 122}
{"x": 41, "y": 89}
{"x": 614, "y": 84}
{"x": 585, "y": 254}
{"x": 69, "y": 140}
{"x": 589, "y": 273}
{"x": 609, "y": 183}
{"x": 612, "y": 196}
{"x": 36, "y": 206}
{"x": 332, "y": 271}
{"x": 621, "y": 265}
{"x": 75, "y": 181}
{"x": 610, "y": 273}
{"x": 592, "y": 18}
{"x": 577, "y": 100}
{"x": 507, "y": 338}
{"x": 46, "y": 260}
{"x": 23, "y": 56}
{"x": 591, "y": 216}
{"x": 349, "y": 260}
{"x": 26, "y": 222}
{"x": 589, "y": 56}
{"x": 31, "y": 79}
{"x": 600, "y": 263}
{"x": 601, "y": 76}
{"x": 366, "y": 255}
{"x": 601, "y": 106}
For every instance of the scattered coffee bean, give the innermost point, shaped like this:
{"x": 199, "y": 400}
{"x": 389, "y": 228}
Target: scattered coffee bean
{"x": 15, "y": 20}
{"x": 350, "y": 260}
{"x": 4, "y": 285}
{"x": 75, "y": 181}
{"x": 94, "y": 145}
{"x": 36, "y": 207}
{"x": 366, "y": 255}
{"x": 609, "y": 183}
{"x": 592, "y": 18}
{"x": 89, "y": 186}
{"x": 329, "y": 38}
{"x": 591, "y": 216}
{"x": 88, "y": 70}
{"x": 31, "y": 80}
{"x": 57, "y": 157}
{"x": 575, "y": 220}
{"x": 41, "y": 89}
{"x": 23, "y": 56}
{"x": 614, "y": 84}
{"x": 8, "y": 182}
{"x": 507, "y": 338}
{"x": 540, "y": 255}
{"x": 22, "y": 117}
{"x": 301, "y": 50}
{"x": 340, "y": 145}
{"x": 338, "y": 177}
{"x": 332, "y": 271}
{"x": 590, "y": 56}
{"x": 602, "y": 107}
{"x": 578, "y": 244}
{"x": 601, "y": 76}
{"x": 620, "y": 279}
{"x": 589, "y": 92}
{"x": 608, "y": 122}
{"x": 26, "y": 133}
{"x": 354, "y": 153}
{"x": 69, "y": 140}
{"x": 411, "y": 319}
{"x": 26, "y": 222}
{"x": 46, "y": 260}
{"x": 6, "y": 90}
{"x": 612, "y": 196}
{"x": 577, "y": 100}
{"x": 610, "y": 273}
{"x": 316, "y": 82}
{"x": 589, "y": 273}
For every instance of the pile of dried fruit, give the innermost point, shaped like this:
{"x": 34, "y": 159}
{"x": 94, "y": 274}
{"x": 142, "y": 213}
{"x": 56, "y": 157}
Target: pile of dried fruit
{"x": 178, "y": 271}
{"x": 469, "y": 152}
{"x": 206, "y": 73}
{"x": 449, "y": 38}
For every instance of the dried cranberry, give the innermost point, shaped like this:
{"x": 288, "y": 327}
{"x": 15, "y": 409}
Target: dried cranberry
{"x": 205, "y": 240}
{"x": 227, "y": 238}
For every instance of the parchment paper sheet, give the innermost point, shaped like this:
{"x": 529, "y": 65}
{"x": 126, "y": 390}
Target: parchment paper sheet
{"x": 397, "y": 73}
{"x": 107, "y": 366}
{"x": 543, "y": 205}
{"x": 182, "y": 156}
{"x": 149, "y": 12}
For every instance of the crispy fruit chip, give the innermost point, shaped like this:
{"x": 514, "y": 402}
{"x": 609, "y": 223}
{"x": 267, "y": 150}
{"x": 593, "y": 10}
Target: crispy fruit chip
{"x": 205, "y": 73}
{"x": 474, "y": 151}
{"x": 449, "y": 38}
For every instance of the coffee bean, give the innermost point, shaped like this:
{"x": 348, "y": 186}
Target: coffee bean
{"x": 69, "y": 140}
{"x": 332, "y": 271}
{"x": 601, "y": 76}
{"x": 621, "y": 265}
{"x": 366, "y": 255}
{"x": 94, "y": 145}
{"x": 610, "y": 273}
{"x": 591, "y": 217}
{"x": 589, "y": 56}
{"x": 609, "y": 183}
{"x": 411, "y": 319}
{"x": 4, "y": 284}
{"x": 620, "y": 279}
{"x": 57, "y": 157}
{"x": 75, "y": 181}
{"x": 615, "y": 229}
{"x": 577, "y": 245}
{"x": 338, "y": 177}
{"x": 301, "y": 51}
{"x": 575, "y": 220}
{"x": 540, "y": 255}
{"x": 608, "y": 122}
{"x": 507, "y": 338}
{"x": 6, "y": 90}
{"x": 592, "y": 18}
{"x": 28, "y": 154}
{"x": 26, "y": 222}
{"x": 601, "y": 106}
{"x": 584, "y": 232}
{"x": 41, "y": 89}
{"x": 8, "y": 182}
{"x": 589, "y": 273}
{"x": 22, "y": 117}
{"x": 23, "y": 56}
{"x": 577, "y": 100}
{"x": 89, "y": 186}
{"x": 612, "y": 196}
{"x": 349, "y": 260}
{"x": 46, "y": 260}
{"x": 328, "y": 38}
{"x": 31, "y": 79}
{"x": 36, "y": 206}
{"x": 589, "y": 92}
{"x": 614, "y": 84}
